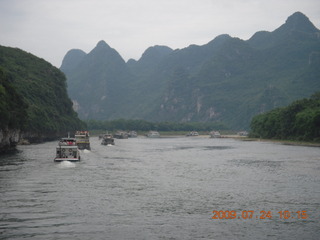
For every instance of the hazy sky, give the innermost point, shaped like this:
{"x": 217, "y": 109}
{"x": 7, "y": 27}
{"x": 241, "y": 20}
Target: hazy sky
{"x": 50, "y": 28}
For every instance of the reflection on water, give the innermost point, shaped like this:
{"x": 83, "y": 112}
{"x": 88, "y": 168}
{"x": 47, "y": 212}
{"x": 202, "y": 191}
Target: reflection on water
{"x": 216, "y": 147}
{"x": 162, "y": 188}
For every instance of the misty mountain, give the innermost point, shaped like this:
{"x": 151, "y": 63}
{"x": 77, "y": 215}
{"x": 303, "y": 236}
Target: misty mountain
{"x": 72, "y": 59}
{"x": 100, "y": 83}
{"x": 228, "y": 79}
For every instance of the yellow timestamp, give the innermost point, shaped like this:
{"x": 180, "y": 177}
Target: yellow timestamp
{"x": 251, "y": 214}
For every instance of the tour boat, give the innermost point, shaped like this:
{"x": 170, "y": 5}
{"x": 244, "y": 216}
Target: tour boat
{"x": 121, "y": 135}
{"x": 192, "y": 134}
{"x": 153, "y": 134}
{"x": 107, "y": 139}
{"x": 82, "y": 140}
{"x": 132, "y": 134}
{"x": 67, "y": 150}
{"x": 215, "y": 134}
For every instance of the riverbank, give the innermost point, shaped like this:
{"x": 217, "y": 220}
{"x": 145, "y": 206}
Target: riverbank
{"x": 284, "y": 142}
{"x": 174, "y": 134}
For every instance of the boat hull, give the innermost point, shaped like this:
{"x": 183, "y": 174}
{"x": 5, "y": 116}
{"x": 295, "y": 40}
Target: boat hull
{"x": 83, "y": 146}
{"x": 107, "y": 142}
{"x": 67, "y": 159}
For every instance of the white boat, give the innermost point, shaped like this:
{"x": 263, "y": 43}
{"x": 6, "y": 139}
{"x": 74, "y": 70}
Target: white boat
{"x": 215, "y": 134}
{"x": 121, "y": 135}
{"x": 132, "y": 134}
{"x": 153, "y": 134}
{"x": 67, "y": 150}
{"x": 243, "y": 133}
{"x": 107, "y": 139}
{"x": 192, "y": 134}
{"x": 82, "y": 139}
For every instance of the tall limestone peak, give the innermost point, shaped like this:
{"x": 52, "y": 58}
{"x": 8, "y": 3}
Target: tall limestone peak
{"x": 104, "y": 75}
{"x": 103, "y": 52}
{"x": 296, "y": 23}
{"x": 299, "y": 22}
{"x": 155, "y": 54}
{"x": 296, "y": 26}
{"x": 149, "y": 59}
{"x": 102, "y": 44}
{"x": 72, "y": 59}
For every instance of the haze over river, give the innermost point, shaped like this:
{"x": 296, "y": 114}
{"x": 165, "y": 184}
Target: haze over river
{"x": 165, "y": 188}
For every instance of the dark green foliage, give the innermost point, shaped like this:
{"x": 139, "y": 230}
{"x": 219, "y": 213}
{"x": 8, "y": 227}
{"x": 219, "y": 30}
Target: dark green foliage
{"x": 298, "y": 121}
{"x": 142, "y": 125}
{"x": 42, "y": 88}
{"x": 13, "y": 110}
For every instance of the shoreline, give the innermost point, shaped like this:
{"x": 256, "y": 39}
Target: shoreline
{"x": 237, "y": 137}
{"x": 283, "y": 142}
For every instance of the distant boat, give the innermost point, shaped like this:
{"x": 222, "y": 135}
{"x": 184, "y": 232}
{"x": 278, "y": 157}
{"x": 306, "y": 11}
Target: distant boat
{"x": 67, "y": 150}
{"x": 215, "y": 134}
{"x": 243, "y": 133}
{"x": 121, "y": 135}
{"x": 83, "y": 140}
{"x": 107, "y": 139}
{"x": 132, "y": 134}
{"x": 153, "y": 134}
{"x": 192, "y": 134}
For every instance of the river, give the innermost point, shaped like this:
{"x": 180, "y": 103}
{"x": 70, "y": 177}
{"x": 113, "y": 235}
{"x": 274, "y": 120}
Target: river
{"x": 166, "y": 188}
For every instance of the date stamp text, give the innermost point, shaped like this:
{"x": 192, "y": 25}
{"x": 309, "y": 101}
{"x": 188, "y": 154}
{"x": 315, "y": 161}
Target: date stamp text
{"x": 251, "y": 214}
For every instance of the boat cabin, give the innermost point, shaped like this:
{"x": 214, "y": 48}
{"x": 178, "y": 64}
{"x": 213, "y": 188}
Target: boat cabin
{"x": 67, "y": 150}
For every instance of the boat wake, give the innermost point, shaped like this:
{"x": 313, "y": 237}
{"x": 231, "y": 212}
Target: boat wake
{"x": 66, "y": 164}
{"x": 86, "y": 151}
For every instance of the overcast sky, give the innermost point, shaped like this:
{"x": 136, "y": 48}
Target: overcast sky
{"x": 50, "y": 28}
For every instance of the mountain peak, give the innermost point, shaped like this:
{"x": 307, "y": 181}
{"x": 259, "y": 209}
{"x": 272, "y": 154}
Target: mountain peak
{"x": 300, "y": 22}
{"x": 103, "y": 51}
{"x": 102, "y": 44}
{"x": 220, "y": 39}
{"x": 156, "y": 52}
{"x": 72, "y": 59}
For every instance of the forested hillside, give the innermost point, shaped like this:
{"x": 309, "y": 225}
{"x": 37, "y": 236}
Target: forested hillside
{"x": 35, "y": 97}
{"x": 12, "y": 107}
{"x": 227, "y": 80}
{"x": 298, "y": 121}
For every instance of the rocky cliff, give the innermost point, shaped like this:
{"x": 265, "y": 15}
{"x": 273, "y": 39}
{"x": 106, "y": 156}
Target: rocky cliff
{"x": 9, "y": 139}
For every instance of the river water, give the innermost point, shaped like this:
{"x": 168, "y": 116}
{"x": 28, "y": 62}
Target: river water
{"x": 167, "y": 188}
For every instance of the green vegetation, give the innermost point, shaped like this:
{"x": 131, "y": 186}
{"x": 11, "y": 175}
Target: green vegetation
{"x": 35, "y": 96}
{"x": 13, "y": 110}
{"x": 141, "y": 125}
{"x": 298, "y": 121}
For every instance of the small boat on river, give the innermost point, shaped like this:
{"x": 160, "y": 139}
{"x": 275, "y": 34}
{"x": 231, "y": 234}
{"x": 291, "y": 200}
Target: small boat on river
{"x": 121, "y": 135}
{"x": 107, "y": 139}
{"x": 215, "y": 134}
{"x": 192, "y": 134}
{"x": 153, "y": 134}
{"x": 67, "y": 150}
{"x": 82, "y": 140}
{"x": 132, "y": 134}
